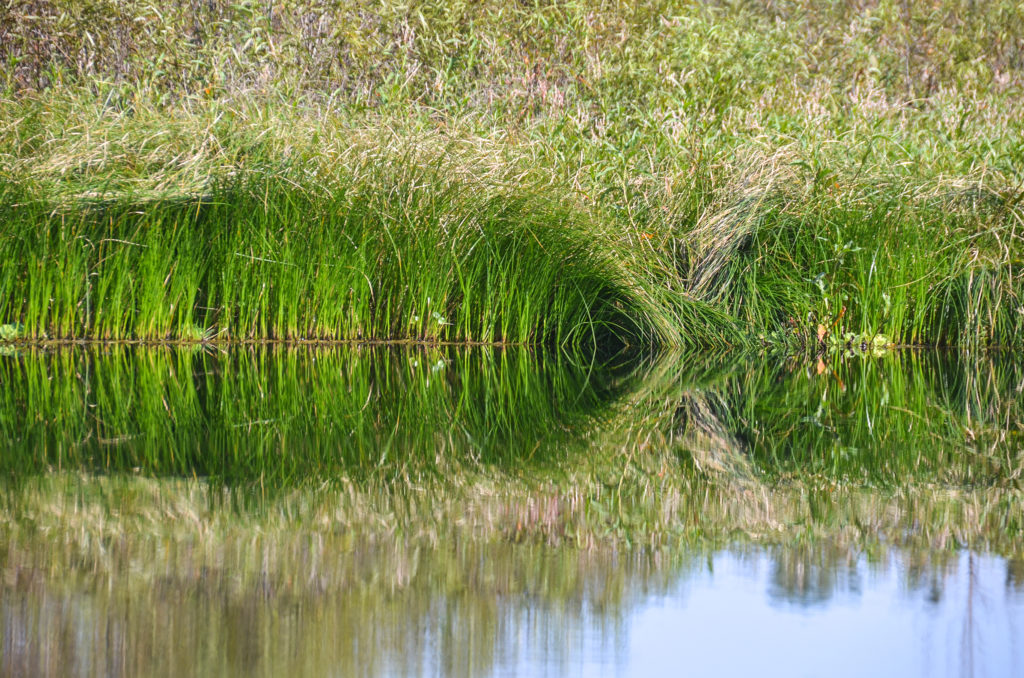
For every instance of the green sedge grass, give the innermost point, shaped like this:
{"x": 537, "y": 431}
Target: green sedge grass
{"x": 417, "y": 259}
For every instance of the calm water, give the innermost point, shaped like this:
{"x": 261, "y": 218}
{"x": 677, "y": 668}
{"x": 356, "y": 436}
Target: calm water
{"x": 345, "y": 511}
{"x": 735, "y": 612}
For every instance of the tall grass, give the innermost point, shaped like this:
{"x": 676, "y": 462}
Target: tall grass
{"x": 915, "y": 274}
{"x": 420, "y": 258}
{"x": 749, "y": 169}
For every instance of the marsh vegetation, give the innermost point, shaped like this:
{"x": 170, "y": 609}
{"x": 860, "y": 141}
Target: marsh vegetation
{"x": 680, "y": 174}
{"x": 328, "y": 320}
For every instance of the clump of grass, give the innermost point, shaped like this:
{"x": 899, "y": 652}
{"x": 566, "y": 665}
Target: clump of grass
{"x": 402, "y": 253}
{"x": 824, "y": 269}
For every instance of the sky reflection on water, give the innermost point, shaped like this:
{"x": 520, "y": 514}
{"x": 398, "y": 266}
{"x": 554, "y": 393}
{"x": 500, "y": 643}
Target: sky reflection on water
{"x": 739, "y": 620}
{"x": 745, "y": 611}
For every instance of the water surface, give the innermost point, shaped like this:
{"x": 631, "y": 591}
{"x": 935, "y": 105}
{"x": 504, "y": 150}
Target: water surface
{"x": 425, "y": 511}
{"x": 528, "y": 611}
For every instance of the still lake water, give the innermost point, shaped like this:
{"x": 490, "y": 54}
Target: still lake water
{"x": 732, "y": 613}
{"x": 343, "y": 511}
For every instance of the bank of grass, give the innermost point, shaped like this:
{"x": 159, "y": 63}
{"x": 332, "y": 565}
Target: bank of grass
{"x": 773, "y": 170}
{"x": 351, "y": 257}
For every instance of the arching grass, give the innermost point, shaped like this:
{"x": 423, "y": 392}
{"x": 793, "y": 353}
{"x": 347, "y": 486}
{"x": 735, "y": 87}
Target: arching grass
{"x": 401, "y": 255}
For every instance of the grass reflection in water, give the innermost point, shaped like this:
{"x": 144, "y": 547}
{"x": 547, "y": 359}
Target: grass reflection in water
{"x": 284, "y": 416}
{"x": 514, "y": 445}
{"x": 429, "y": 505}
